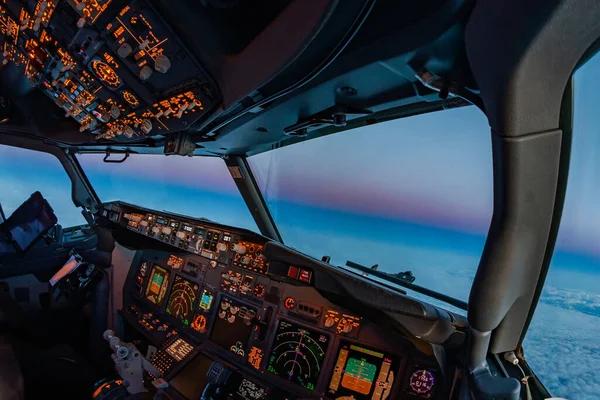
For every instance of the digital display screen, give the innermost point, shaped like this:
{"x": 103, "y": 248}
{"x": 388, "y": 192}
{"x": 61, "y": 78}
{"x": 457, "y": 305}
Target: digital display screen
{"x": 226, "y": 238}
{"x": 157, "y": 285}
{"x": 233, "y": 326}
{"x": 180, "y": 349}
{"x": 174, "y": 224}
{"x": 199, "y": 231}
{"x": 182, "y": 299}
{"x": 187, "y": 228}
{"x": 362, "y": 374}
{"x": 161, "y": 221}
{"x": 298, "y": 354}
{"x": 206, "y": 300}
{"x": 191, "y": 380}
{"x": 30, "y": 222}
{"x": 249, "y": 391}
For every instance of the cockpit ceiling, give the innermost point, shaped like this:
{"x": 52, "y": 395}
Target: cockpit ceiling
{"x": 250, "y": 76}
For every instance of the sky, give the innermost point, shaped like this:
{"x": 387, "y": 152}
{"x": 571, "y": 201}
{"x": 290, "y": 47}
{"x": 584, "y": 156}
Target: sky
{"x": 412, "y": 194}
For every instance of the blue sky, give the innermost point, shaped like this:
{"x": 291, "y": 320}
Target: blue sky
{"x": 409, "y": 194}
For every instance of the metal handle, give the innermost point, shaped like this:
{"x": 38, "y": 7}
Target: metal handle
{"x": 107, "y": 160}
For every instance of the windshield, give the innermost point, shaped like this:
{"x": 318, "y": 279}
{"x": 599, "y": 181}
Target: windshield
{"x": 410, "y": 194}
{"x": 194, "y": 186}
{"x": 20, "y": 176}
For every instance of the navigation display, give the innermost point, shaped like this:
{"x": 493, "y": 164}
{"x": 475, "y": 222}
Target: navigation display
{"x": 182, "y": 299}
{"x": 362, "y": 374}
{"x": 233, "y": 326}
{"x": 298, "y": 354}
{"x": 157, "y": 285}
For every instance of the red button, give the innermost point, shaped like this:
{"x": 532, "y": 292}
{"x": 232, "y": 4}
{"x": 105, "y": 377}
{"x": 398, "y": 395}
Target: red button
{"x": 293, "y": 272}
{"x": 305, "y": 275}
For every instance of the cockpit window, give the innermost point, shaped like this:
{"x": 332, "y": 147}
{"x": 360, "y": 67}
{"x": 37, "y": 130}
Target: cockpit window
{"x": 24, "y": 171}
{"x": 413, "y": 194}
{"x": 562, "y": 343}
{"x": 194, "y": 186}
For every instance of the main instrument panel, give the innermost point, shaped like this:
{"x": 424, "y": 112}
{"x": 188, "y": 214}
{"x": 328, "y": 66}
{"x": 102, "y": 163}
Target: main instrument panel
{"x": 209, "y": 292}
{"x": 113, "y": 66}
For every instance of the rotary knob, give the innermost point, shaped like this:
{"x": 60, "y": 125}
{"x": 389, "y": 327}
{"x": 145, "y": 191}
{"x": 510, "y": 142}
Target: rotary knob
{"x": 180, "y": 234}
{"x": 329, "y": 322}
{"x": 145, "y": 73}
{"x": 162, "y": 64}
{"x": 128, "y": 131}
{"x": 166, "y": 230}
{"x": 144, "y": 223}
{"x": 239, "y": 248}
{"x": 221, "y": 247}
{"x": 124, "y": 50}
{"x": 347, "y": 327}
{"x": 156, "y": 229}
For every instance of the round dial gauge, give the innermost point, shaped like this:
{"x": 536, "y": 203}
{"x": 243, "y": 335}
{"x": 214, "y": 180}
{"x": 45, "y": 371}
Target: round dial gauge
{"x": 106, "y": 74}
{"x": 422, "y": 382}
{"x": 289, "y": 303}
{"x": 259, "y": 290}
{"x": 199, "y": 323}
{"x": 130, "y": 98}
{"x": 181, "y": 301}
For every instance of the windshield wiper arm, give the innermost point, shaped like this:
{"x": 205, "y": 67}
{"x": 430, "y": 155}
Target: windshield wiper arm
{"x": 404, "y": 283}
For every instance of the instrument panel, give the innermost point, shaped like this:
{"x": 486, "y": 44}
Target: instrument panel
{"x": 114, "y": 67}
{"x": 276, "y": 331}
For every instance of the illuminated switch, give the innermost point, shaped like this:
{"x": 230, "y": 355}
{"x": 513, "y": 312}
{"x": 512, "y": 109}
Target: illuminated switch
{"x": 293, "y": 272}
{"x": 156, "y": 229}
{"x": 181, "y": 110}
{"x": 144, "y": 223}
{"x": 166, "y": 230}
{"x": 180, "y": 234}
{"x": 144, "y": 44}
{"x": 305, "y": 275}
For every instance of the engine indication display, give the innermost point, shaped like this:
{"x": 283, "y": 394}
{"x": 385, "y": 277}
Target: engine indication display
{"x": 298, "y": 354}
{"x": 157, "y": 285}
{"x": 362, "y": 374}
{"x": 233, "y": 326}
{"x": 182, "y": 299}
{"x": 106, "y": 74}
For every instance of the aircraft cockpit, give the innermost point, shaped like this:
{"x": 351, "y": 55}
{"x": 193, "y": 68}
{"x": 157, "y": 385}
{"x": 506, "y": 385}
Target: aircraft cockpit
{"x": 291, "y": 199}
